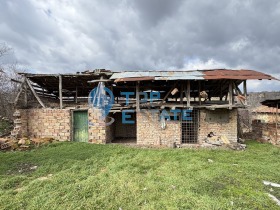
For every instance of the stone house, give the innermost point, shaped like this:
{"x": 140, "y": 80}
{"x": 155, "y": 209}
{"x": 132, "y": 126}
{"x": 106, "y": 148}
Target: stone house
{"x": 146, "y": 107}
{"x": 265, "y": 122}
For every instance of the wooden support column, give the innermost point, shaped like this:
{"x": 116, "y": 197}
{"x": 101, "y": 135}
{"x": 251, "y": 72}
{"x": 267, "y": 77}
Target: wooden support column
{"x": 137, "y": 97}
{"x": 20, "y": 91}
{"x": 276, "y": 124}
{"x": 76, "y": 95}
{"x": 221, "y": 92}
{"x": 199, "y": 90}
{"x": 25, "y": 94}
{"x": 34, "y": 93}
{"x": 181, "y": 93}
{"x": 60, "y": 92}
{"x": 245, "y": 90}
{"x": 188, "y": 93}
{"x": 230, "y": 94}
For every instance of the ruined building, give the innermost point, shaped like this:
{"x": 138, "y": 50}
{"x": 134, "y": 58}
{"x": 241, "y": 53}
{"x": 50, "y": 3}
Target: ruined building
{"x": 147, "y": 107}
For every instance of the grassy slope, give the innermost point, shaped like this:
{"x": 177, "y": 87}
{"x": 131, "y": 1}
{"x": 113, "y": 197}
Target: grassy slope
{"x": 87, "y": 176}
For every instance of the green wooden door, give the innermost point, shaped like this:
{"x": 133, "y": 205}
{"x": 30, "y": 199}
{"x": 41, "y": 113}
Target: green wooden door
{"x": 80, "y": 126}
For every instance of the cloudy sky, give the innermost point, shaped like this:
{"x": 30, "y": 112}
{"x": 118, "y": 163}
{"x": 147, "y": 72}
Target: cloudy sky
{"x": 74, "y": 35}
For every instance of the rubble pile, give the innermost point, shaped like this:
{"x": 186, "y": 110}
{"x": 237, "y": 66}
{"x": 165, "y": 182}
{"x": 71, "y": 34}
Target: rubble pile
{"x": 213, "y": 140}
{"x": 10, "y": 143}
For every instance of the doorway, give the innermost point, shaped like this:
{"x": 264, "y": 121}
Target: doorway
{"x": 189, "y": 128}
{"x": 80, "y": 125}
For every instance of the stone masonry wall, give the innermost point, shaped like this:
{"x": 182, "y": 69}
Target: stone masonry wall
{"x": 228, "y": 129}
{"x": 265, "y": 132}
{"x": 40, "y": 123}
{"x": 149, "y": 129}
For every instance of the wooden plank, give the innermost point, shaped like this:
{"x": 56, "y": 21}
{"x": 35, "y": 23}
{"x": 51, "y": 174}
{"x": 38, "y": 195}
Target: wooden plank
{"x": 60, "y": 92}
{"x": 25, "y": 94}
{"x": 76, "y": 95}
{"x": 20, "y": 91}
{"x": 230, "y": 96}
{"x": 199, "y": 90}
{"x": 181, "y": 93}
{"x": 34, "y": 93}
{"x": 188, "y": 93}
{"x": 137, "y": 97}
{"x": 168, "y": 93}
{"x": 245, "y": 91}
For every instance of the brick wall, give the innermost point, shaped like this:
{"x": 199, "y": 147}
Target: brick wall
{"x": 97, "y": 128}
{"x": 228, "y": 129}
{"x": 149, "y": 129}
{"x": 40, "y": 123}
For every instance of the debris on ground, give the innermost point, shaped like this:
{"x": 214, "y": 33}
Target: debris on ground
{"x": 10, "y": 143}
{"x": 213, "y": 140}
{"x": 274, "y": 199}
{"x": 271, "y": 184}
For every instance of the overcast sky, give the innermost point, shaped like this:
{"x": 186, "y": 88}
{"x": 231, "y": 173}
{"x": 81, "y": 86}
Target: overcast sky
{"x": 74, "y": 35}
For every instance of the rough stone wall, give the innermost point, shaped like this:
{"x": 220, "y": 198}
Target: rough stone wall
{"x": 40, "y": 123}
{"x": 228, "y": 129}
{"x": 265, "y": 132}
{"x": 149, "y": 129}
{"x": 265, "y": 117}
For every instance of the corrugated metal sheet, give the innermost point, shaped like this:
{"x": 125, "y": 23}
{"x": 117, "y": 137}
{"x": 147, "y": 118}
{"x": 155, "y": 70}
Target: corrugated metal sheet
{"x": 159, "y": 75}
{"x": 132, "y": 79}
{"x": 213, "y": 74}
{"x": 235, "y": 74}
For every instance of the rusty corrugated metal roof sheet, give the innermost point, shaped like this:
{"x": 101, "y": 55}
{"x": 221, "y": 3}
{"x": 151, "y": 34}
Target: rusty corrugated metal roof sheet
{"x": 132, "y": 79}
{"x": 235, "y": 74}
{"x": 211, "y": 74}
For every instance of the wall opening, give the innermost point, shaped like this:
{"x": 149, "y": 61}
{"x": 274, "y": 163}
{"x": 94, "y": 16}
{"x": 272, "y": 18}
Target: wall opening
{"x": 124, "y": 133}
{"x": 189, "y": 128}
{"x": 80, "y": 125}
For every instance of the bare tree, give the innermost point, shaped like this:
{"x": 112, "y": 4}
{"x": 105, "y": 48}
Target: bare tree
{"x": 8, "y": 89}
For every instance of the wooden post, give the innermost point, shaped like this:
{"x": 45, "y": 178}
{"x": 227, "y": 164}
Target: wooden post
{"x": 230, "y": 96}
{"x": 245, "y": 91}
{"x": 221, "y": 92}
{"x": 20, "y": 91}
{"x": 34, "y": 93}
{"x": 60, "y": 91}
{"x": 188, "y": 93}
{"x": 76, "y": 95}
{"x": 199, "y": 90}
{"x": 181, "y": 94}
{"x": 137, "y": 97}
{"x": 25, "y": 94}
{"x": 276, "y": 124}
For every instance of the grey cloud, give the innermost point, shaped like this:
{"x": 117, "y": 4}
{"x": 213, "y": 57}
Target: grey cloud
{"x": 142, "y": 34}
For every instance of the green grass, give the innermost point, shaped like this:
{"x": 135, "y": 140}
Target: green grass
{"x": 88, "y": 176}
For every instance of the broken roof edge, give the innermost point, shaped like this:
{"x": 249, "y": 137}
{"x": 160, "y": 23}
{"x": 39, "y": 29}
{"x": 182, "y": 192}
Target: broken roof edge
{"x": 83, "y": 73}
{"x": 271, "y": 103}
{"x": 209, "y": 74}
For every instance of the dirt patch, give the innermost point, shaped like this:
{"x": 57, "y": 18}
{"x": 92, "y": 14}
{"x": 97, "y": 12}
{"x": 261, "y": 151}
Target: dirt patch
{"x": 23, "y": 168}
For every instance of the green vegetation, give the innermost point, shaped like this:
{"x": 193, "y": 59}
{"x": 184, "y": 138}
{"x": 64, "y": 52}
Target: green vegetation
{"x": 4, "y": 126}
{"x": 87, "y": 176}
